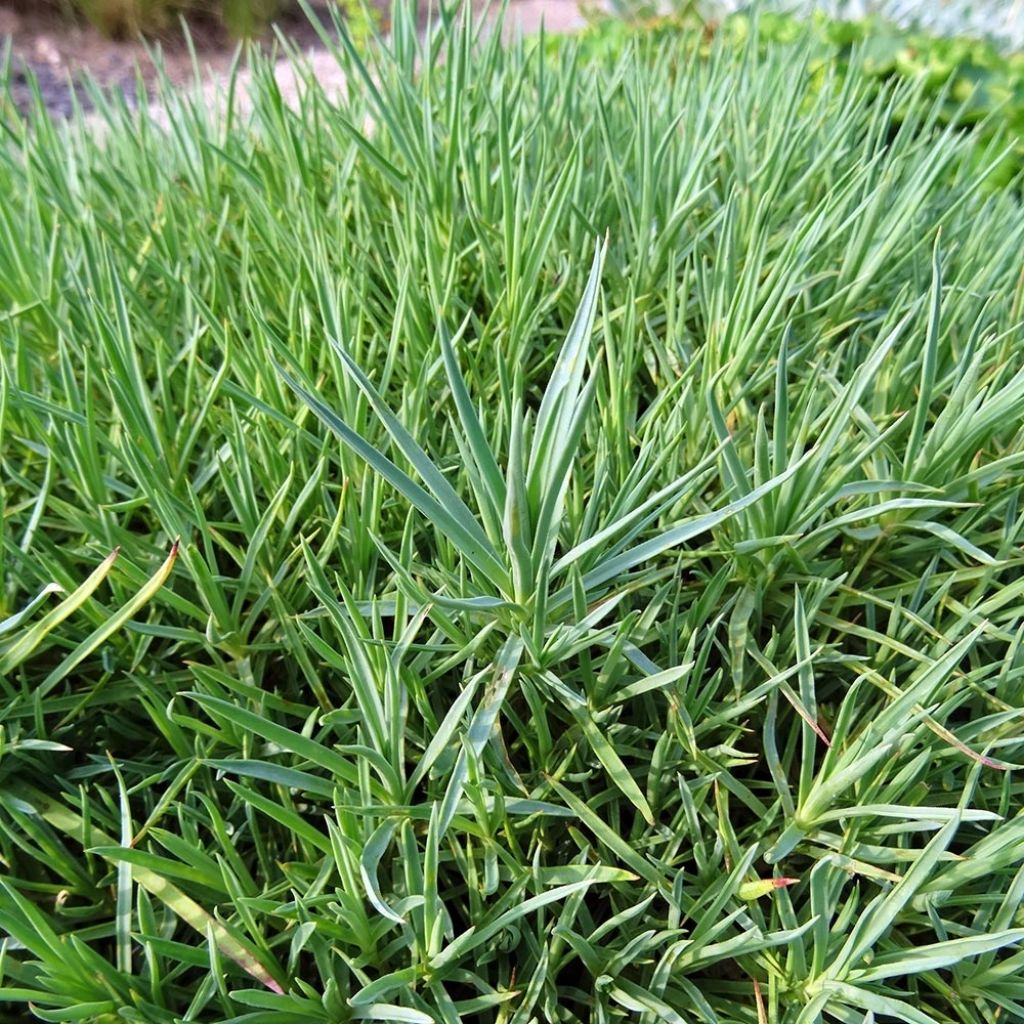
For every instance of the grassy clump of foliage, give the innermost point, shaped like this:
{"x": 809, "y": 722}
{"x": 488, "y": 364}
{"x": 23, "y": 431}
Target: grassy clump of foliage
{"x": 536, "y": 540}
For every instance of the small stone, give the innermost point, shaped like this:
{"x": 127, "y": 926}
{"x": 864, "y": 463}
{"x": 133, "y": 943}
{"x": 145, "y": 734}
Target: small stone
{"x": 46, "y": 52}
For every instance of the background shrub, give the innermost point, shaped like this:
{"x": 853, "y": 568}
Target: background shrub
{"x": 131, "y": 17}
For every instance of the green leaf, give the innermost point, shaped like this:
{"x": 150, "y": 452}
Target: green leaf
{"x": 935, "y": 956}
{"x": 120, "y": 618}
{"x": 18, "y": 649}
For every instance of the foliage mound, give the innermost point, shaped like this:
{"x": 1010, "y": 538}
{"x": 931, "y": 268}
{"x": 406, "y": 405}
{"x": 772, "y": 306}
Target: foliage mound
{"x": 538, "y": 540}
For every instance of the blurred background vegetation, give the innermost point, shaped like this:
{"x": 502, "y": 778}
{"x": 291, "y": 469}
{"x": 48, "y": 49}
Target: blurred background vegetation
{"x": 131, "y": 17}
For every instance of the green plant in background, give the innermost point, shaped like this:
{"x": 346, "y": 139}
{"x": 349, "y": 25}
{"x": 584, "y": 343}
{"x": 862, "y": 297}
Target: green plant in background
{"x": 127, "y": 16}
{"x": 242, "y": 18}
{"x": 977, "y": 82}
{"x": 245, "y": 18}
{"x": 597, "y": 481}
{"x": 644, "y": 12}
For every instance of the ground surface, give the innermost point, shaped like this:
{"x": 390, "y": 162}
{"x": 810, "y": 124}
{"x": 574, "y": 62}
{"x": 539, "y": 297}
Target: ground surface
{"x": 59, "y": 51}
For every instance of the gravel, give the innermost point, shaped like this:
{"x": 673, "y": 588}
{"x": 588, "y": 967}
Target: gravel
{"x": 58, "y": 90}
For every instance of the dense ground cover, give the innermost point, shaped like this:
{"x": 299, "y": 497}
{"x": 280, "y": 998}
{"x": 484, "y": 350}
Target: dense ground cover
{"x": 538, "y": 541}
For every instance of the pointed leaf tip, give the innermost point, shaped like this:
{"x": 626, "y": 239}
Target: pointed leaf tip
{"x": 763, "y": 886}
